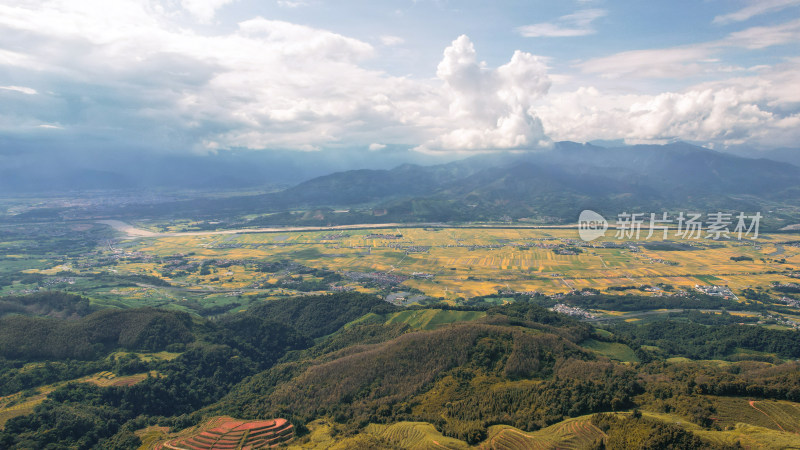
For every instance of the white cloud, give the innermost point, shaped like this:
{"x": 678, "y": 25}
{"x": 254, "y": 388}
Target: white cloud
{"x": 766, "y": 36}
{"x": 376, "y": 146}
{"x": 755, "y": 8}
{"x": 689, "y": 60}
{"x": 576, "y": 24}
{"x": 651, "y": 63}
{"x": 204, "y": 10}
{"x": 10, "y": 58}
{"x": 489, "y": 109}
{"x": 21, "y": 89}
{"x": 129, "y": 71}
{"x": 291, "y": 4}
{"x": 754, "y": 110}
{"x": 391, "y": 40}
{"x": 287, "y": 39}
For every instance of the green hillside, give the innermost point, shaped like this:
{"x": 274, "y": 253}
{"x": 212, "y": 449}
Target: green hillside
{"x": 351, "y": 371}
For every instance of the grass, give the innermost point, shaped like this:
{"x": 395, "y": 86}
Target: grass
{"x": 420, "y": 319}
{"x": 148, "y": 357}
{"x": 612, "y": 350}
{"x": 19, "y": 405}
{"x": 16, "y": 405}
{"x": 105, "y": 379}
{"x": 151, "y": 435}
{"x": 709, "y": 279}
{"x": 429, "y": 319}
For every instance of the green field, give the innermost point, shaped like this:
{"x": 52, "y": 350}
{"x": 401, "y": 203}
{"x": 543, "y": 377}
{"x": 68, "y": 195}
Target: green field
{"x": 612, "y": 350}
{"x": 429, "y": 319}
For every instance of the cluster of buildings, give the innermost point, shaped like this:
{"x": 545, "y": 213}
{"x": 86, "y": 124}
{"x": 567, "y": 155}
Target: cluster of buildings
{"x": 423, "y": 275}
{"x": 566, "y": 251}
{"x": 717, "y": 291}
{"x": 573, "y": 311}
{"x": 404, "y": 298}
{"x": 663, "y": 261}
{"x": 59, "y": 280}
{"x": 382, "y": 278}
{"x": 782, "y": 321}
{"x": 337, "y": 288}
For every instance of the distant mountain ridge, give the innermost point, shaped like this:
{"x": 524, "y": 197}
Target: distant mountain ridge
{"x": 558, "y": 182}
{"x": 549, "y": 186}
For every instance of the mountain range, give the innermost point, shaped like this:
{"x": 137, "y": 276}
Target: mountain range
{"x": 542, "y": 186}
{"x": 539, "y": 186}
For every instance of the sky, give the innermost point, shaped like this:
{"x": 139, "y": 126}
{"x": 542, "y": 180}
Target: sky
{"x": 435, "y": 76}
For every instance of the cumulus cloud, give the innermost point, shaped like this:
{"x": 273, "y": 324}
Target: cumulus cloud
{"x": 755, "y": 8}
{"x": 489, "y": 108}
{"x": 576, "y": 24}
{"x": 376, "y": 146}
{"x": 130, "y": 72}
{"x": 753, "y": 110}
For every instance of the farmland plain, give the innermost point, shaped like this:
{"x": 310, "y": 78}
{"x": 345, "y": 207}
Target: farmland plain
{"x": 225, "y": 271}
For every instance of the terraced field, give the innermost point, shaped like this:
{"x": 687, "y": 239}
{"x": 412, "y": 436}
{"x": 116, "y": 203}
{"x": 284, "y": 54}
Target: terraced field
{"x": 231, "y": 434}
{"x": 109, "y": 379}
{"x": 775, "y": 415}
{"x": 415, "y": 436}
{"x": 577, "y": 433}
{"x": 738, "y": 428}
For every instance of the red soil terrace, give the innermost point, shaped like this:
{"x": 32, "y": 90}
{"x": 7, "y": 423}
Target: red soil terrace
{"x": 226, "y": 433}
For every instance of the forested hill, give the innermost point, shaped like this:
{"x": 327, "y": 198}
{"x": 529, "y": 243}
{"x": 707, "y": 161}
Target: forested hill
{"x": 352, "y": 360}
{"x": 89, "y": 337}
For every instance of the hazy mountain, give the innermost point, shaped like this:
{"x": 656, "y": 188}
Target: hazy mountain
{"x": 24, "y": 171}
{"x": 787, "y": 155}
{"x": 571, "y": 172}
{"x": 549, "y": 185}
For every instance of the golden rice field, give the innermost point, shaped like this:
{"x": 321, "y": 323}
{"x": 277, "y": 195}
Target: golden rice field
{"x": 467, "y": 262}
